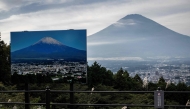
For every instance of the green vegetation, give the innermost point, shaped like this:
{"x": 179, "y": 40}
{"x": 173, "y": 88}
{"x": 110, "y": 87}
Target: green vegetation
{"x": 99, "y": 78}
{"x": 5, "y": 73}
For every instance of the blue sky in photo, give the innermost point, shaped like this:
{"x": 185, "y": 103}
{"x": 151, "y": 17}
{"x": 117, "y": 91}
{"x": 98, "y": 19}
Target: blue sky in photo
{"x": 71, "y": 38}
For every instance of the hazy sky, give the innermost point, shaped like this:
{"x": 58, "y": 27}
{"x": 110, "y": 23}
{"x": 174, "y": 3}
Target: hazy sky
{"x": 93, "y": 15}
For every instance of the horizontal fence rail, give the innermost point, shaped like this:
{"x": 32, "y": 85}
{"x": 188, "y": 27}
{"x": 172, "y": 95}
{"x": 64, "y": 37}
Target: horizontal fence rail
{"x": 48, "y": 92}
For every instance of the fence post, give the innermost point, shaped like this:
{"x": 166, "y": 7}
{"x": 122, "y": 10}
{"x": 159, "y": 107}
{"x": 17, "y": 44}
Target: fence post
{"x": 26, "y": 94}
{"x": 47, "y": 97}
{"x": 71, "y": 94}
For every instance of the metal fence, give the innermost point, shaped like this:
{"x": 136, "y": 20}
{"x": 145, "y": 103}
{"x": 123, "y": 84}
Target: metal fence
{"x": 71, "y": 104}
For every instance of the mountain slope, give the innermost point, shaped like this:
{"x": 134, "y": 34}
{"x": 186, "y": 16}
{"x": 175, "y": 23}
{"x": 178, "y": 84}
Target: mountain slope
{"x": 137, "y": 36}
{"x": 49, "y": 48}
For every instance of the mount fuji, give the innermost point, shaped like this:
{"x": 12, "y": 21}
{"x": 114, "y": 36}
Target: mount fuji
{"x": 137, "y": 36}
{"x": 49, "y": 48}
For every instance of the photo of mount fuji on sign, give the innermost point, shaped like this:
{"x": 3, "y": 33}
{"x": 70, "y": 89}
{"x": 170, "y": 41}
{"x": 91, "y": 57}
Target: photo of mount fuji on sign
{"x": 49, "y": 46}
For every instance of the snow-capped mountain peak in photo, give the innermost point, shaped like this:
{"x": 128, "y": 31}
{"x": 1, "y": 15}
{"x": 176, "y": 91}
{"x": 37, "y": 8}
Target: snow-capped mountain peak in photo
{"x": 48, "y": 40}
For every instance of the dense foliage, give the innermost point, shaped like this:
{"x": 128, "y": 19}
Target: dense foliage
{"x": 5, "y": 73}
{"x": 99, "y": 79}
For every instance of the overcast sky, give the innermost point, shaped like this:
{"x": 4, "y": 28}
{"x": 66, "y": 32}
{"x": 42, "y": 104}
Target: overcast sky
{"x": 93, "y": 15}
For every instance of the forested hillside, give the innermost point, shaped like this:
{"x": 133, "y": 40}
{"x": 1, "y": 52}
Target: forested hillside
{"x": 99, "y": 79}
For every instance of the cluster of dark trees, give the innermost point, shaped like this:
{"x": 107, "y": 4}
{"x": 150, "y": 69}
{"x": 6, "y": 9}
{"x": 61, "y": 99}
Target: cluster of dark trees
{"x": 99, "y": 78}
{"x": 5, "y": 73}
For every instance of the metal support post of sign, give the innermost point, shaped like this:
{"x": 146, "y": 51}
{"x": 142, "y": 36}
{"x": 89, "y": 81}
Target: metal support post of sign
{"x": 47, "y": 97}
{"x": 71, "y": 94}
{"x": 27, "y": 100}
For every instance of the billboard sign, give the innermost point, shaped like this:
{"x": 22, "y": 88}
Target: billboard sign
{"x": 48, "y": 56}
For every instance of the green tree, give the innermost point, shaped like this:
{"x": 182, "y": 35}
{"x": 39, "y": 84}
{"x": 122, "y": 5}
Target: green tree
{"x": 162, "y": 83}
{"x": 182, "y": 97}
{"x": 15, "y": 78}
{"x": 152, "y": 86}
{"x": 137, "y": 82}
{"x": 122, "y": 81}
{"x": 99, "y": 75}
{"x": 171, "y": 97}
{"x": 171, "y": 87}
{"x": 5, "y": 73}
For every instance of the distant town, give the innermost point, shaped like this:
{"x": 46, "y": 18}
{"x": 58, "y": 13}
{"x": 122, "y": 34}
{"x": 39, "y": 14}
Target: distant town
{"x": 57, "y": 70}
{"x": 171, "y": 71}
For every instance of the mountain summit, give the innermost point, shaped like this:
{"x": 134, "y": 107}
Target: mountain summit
{"x": 137, "y": 36}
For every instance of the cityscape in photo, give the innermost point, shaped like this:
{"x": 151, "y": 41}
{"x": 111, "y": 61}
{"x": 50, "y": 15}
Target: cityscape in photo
{"x": 52, "y": 55}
